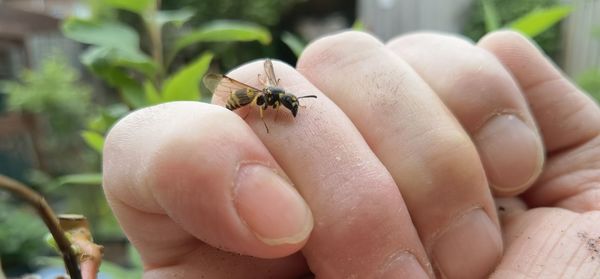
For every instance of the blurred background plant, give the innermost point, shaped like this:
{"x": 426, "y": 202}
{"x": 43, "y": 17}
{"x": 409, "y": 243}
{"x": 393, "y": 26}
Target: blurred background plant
{"x": 54, "y": 92}
{"x": 133, "y": 54}
{"x": 540, "y": 16}
{"x": 589, "y": 80}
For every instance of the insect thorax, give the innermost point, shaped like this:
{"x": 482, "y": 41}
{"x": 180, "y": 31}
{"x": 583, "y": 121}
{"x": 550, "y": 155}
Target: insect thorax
{"x": 274, "y": 90}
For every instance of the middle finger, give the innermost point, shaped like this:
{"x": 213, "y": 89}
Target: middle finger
{"x": 431, "y": 158}
{"x": 362, "y": 228}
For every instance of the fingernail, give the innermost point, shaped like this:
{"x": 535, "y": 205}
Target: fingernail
{"x": 469, "y": 248}
{"x": 403, "y": 265}
{"x": 271, "y": 208}
{"x": 511, "y": 152}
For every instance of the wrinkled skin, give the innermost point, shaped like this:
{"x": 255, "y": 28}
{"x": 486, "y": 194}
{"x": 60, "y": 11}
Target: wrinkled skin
{"x": 428, "y": 156}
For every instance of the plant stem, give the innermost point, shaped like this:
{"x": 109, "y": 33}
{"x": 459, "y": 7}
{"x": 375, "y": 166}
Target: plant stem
{"x": 154, "y": 32}
{"x": 90, "y": 254}
{"x": 2, "y": 276}
{"x": 45, "y": 212}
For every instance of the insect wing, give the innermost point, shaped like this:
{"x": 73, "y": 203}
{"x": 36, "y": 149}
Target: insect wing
{"x": 270, "y": 73}
{"x": 224, "y": 85}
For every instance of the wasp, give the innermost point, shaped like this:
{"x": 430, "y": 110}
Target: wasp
{"x": 241, "y": 94}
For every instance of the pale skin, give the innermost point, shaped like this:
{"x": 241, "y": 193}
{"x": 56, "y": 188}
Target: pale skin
{"x": 428, "y": 156}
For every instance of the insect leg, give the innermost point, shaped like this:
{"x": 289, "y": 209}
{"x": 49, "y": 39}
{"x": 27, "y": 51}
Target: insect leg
{"x": 276, "y": 113}
{"x": 247, "y": 113}
{"x": 262, "y": 118}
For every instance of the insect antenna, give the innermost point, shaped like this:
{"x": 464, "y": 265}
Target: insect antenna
{"x": 308, "y": 96}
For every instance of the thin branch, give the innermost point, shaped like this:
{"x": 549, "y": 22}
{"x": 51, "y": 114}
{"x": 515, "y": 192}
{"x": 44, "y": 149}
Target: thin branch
{"x": 45, "y": 212}
{"x": 2, "y": 276}
{"x": 156, "y": 44}
{"x": 90, "y": 253}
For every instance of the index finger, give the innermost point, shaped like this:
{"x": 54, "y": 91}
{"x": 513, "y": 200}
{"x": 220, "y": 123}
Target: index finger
{"x": 362, "y": 227}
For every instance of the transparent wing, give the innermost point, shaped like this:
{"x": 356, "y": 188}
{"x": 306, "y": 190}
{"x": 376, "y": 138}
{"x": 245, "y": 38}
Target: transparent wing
{"x": 270, "y": 73}
{"x": 223, "y": 85}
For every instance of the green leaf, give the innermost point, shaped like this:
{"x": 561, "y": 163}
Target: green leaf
{"x": 225, "y": 31}
{"x": 358, "y": 25}
{"x": 111, "y": 64}
{"x": 107, "y": 117}
{"x": 177, "y": 17}
{"x": 109, "y": 57}
{"x": 184, "y": 85}
{"x": 81, "y": 179}
{"x": 134, "y": 96}
{"x": 94, "y": 140}
{"x": 134, "y": 257}
{"x": 589, "y": 81}
{"x": 293, "y": 42}
{"x": 136, "y": 6}
{"x": 490, "y": 14}
{"x": 109, "y": 34}
{"x": 51, "y": 242}
{"x": 540, "y": 20}
{"x": 152, "y": 95}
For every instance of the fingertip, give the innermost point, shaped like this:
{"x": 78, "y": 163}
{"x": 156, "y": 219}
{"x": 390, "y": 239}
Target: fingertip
{"x": 271, "y": 207}
{"x": 512, "y": 154}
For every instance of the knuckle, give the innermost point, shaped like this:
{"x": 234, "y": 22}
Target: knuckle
{"x": 481, "y": 76}
{"x": 335, "y": 47}
{"x": 452, "y": 155}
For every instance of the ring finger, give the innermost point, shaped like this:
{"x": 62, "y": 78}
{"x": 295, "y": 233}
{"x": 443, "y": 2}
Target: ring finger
{"x": 486, "y": 100}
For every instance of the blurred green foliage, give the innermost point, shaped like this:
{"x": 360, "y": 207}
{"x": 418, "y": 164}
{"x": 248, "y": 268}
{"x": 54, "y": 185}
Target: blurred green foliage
{"x": 133, "y": 271}
{"x": 140, "y": 57}
{"x": 145, "y": 77}
{"x": 158, "y": 57}
{"x": 488, "y": 15}
{"x": 61, "y": 103}
{"x": 264, "y": 12}
{"x": 537, "y": 21}
{"x": 21, "y": 235}
{"x": 589, "y": 80}
{"x": 138, "y": 60}
{"x": 53, "y": 91}
{"x": 297, "y": 45}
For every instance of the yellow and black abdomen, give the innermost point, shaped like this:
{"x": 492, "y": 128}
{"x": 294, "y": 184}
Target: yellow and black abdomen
{"x": 240, "y": 98}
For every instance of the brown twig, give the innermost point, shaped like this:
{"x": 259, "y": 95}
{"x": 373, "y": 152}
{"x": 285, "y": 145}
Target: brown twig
{"x": 90, "y": 253}
{"x": 2, "y": 276}
{"x": 49, "y": 218}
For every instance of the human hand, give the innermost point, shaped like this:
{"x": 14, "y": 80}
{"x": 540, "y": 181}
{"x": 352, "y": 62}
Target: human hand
{"x": 189, "y": 181}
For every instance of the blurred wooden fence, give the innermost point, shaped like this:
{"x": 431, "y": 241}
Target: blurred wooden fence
{"x": 581, "y": 37}
{"x": 389, "y": 18}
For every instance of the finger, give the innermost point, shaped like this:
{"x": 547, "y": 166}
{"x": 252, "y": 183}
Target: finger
{"x": 565, "y": 115}
{"x": 487, "y": 102}
{"x": 184, "y": 173}
{"x": 431, "y": 158}
{"x": 569, "y": 121}
{"x": 362, "y": 228}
